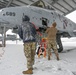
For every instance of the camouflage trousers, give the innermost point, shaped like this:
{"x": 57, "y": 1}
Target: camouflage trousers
{"x": 29, "y": 50}
{"x": 52, "y": 45}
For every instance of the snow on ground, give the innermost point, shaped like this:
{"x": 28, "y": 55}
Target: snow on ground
{"x": 13, "y": 61}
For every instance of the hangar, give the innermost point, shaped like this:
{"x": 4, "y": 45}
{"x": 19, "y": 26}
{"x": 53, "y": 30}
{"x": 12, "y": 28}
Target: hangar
{"x": 64, "y": 7}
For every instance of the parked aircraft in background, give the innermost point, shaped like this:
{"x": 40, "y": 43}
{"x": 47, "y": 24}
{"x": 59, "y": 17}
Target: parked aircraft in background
{"x": 41, "y": 15}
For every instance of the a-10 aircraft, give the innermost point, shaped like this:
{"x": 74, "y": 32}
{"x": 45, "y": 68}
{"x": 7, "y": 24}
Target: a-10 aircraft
{"x": 41, "y": 16}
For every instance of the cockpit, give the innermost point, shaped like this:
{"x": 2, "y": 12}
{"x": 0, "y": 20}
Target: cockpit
{"x": 41, "y": 4}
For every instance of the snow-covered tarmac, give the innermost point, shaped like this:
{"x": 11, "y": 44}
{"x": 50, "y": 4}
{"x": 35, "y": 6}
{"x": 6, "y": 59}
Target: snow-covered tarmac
{"x": 13, "y": 61}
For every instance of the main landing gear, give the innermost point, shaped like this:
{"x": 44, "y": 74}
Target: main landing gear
{"x": 59, "y": 43}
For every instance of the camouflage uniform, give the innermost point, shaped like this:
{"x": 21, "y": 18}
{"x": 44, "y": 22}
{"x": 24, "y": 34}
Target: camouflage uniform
{"x": 29, "y": 50}
{"x": 51, "y": 40}
{"x": 52, "y": 45}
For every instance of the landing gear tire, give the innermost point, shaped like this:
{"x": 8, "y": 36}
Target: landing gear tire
{"x": 59, "y": 43}
{"x": 60, "y": 50}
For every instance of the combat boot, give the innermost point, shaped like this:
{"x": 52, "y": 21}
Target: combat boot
{"x": 58, "y": 58}
{"x": 29, "y": 71}
{"x": 49, "y": 57}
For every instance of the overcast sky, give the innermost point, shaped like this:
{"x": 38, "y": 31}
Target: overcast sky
{"x": 72, "y": 16}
